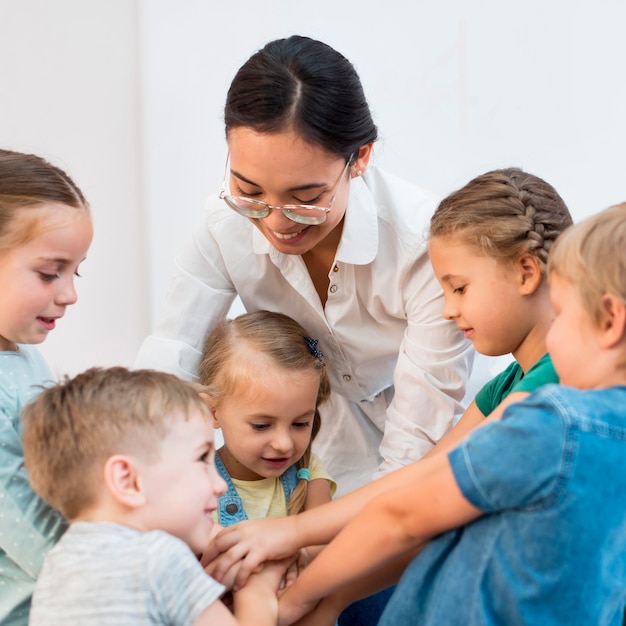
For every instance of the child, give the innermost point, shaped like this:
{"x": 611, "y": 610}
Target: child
{"x": 537, "y": 530}
{"x": 489, "y": 244}
{"x": 127, "y": 457}
{"x": 264, "y": 380}
{"x": 45, "y": 231}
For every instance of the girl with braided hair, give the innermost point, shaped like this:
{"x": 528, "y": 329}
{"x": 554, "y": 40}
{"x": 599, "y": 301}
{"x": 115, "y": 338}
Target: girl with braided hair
{"x": 489, "y": 245}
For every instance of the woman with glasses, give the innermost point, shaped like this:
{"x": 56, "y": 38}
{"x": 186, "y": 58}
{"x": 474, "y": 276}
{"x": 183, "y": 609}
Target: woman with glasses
{"x": 305, "y": 224}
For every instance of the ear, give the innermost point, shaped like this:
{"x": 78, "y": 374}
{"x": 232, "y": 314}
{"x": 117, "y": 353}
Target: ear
{"x": 362, "y": 159}
{"x": 123, "y": 482}
{"x": 613, "y": 323}
{"x": 208, "y": 400}
{"x": 530, "y": 273}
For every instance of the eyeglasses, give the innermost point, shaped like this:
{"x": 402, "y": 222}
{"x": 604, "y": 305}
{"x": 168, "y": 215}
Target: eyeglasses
{"x": 301, "y": 213}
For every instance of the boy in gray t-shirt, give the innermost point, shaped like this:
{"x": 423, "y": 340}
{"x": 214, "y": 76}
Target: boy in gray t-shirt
{"x": 128, "y": 458}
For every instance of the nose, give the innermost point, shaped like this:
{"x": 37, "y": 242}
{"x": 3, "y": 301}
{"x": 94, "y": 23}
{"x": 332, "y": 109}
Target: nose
{"x": 277, "y": 221}
{"x": 282, "y": 441}
{"x": 66, "y": 294}
{"x": 219, "y": 484}
{"x": 450, "y": 310}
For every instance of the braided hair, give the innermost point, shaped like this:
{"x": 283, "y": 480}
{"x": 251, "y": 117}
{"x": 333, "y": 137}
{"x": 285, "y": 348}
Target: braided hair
{"x": 504, "y": 214}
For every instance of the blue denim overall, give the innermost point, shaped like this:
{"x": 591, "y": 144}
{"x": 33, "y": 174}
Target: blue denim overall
{"x": 231, "y": 505}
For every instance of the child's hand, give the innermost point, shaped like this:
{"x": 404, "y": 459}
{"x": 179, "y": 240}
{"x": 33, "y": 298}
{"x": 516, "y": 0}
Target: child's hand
{"x": 228, "y": 579}
{"x": 271, "y": 575}
{"x": 252, "y": 543}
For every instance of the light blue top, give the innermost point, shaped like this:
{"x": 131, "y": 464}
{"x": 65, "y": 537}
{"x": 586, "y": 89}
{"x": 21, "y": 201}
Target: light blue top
{"x": 551, "y": 549}
{"x": 28, "y": 526}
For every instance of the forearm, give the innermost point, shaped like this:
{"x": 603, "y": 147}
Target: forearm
{"x": 393, "y": 527}
{"x": 255, "y": 605}
{"x": 329, "y": 608}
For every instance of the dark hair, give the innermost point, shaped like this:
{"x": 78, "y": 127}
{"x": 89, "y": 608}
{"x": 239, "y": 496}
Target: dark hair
{"x": 306, "y": 85}
{"x": 504, "y": 213}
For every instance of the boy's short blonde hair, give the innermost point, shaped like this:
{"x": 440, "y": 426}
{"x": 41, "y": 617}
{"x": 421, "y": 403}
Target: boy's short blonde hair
{"x": 592, "y": 256}
{"x": 71, "y": 429}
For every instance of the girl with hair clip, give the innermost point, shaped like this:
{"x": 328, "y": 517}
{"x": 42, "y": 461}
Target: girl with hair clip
{"x": 45, "y": 232}
{"x": 264, "y": 380}
{"x": 489, "y": 244}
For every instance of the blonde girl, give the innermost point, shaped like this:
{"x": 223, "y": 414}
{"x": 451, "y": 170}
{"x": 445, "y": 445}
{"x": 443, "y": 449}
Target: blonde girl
{"x": 45, "y": 231}
{"x": 264, "y": 379}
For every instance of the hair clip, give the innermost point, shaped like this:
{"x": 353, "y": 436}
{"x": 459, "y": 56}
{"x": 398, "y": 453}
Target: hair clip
{"x": 304, "y": 474}
{"x": 312, "y": 346}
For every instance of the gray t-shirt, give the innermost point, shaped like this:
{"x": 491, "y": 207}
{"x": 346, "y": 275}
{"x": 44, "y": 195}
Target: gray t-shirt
{"x": 106, "y": 574}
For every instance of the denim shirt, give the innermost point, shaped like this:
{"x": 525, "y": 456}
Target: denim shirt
{"x": 230, "y": 506}
{"x": 551, "y": 547}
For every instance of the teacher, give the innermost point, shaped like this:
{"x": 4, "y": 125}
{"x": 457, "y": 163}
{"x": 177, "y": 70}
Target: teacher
{"x": 307, "y": 225}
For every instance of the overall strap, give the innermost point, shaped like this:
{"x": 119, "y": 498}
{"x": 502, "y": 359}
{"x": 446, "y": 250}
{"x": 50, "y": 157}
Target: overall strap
{"x": 230, "y": 505}
{"x": 289, "y": 481}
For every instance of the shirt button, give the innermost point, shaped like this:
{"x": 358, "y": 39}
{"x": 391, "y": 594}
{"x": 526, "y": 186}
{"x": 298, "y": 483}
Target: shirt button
{"x": 347, "y": 377}
{"x": 333, "y": 288}
{"x": 231, "y": 508}
{"x": 336, "y": 268}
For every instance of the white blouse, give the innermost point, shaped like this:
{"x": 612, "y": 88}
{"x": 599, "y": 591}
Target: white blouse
{"x": 398, "y": 369}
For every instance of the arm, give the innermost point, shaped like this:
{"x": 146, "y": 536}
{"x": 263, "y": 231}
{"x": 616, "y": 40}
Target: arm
{"x": 200, "y": 293}
{"x": 404, "y": 520}
{"x": 318, "y": 493}
{"x": 434, "y": 363}
{"x": 471, "y": 419}
{"x": 255, "y": 541}
{"x": 328, "y": 609}
{"x": 255, "y": 604}
{"x": 258, "y": 540}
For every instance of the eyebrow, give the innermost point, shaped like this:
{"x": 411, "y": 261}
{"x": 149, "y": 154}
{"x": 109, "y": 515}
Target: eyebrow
{"x": 209, "y": 446}
{"x": 60, "y": 260}
{"x": 304, "y": 187}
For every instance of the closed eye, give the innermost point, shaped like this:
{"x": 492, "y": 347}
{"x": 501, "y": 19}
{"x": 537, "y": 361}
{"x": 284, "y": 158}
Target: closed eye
{"x": 48, "y": 278}
{"x": 460, "y": 290}
{"x": 260, "y": 427}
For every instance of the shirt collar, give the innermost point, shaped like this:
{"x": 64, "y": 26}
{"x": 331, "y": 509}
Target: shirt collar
{"x": 359, "y": 239}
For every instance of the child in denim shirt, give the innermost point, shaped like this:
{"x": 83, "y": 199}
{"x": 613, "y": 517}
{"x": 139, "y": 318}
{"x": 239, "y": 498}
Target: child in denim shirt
{"x": 524, "y": 522}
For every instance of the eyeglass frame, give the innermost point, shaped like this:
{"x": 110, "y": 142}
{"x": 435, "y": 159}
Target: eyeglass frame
{"x": 284, "y": 208}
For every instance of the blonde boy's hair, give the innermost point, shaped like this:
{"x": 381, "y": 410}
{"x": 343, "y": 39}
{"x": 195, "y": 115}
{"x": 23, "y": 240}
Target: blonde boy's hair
{"x": 504, "y": 214}
{"x": 592, "y": 256}
{"x": 70, "y": 430}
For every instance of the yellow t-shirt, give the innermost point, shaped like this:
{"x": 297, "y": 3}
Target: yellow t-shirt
{"x": 266, "y": 498}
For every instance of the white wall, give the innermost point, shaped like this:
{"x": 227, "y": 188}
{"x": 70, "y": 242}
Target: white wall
{"x": 69, "y": 92}
{"x": 457, "y": 87}
{"x": 128, "y": 96}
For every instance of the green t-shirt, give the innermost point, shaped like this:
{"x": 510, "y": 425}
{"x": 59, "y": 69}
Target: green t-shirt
{"x": 513, "y": 379}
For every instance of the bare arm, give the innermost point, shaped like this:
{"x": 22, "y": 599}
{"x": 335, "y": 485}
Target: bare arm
{"x": 471, "y": 419}
{"x": 318, "y": 492}
{"x": 257, "y": 540}
{"x": 254, "y": 605}
{"x": 395, "y": 526}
